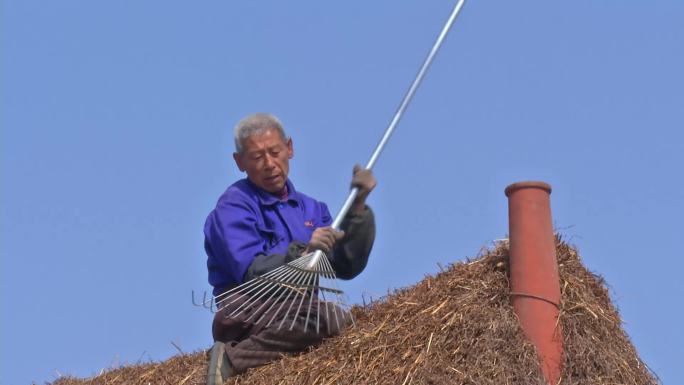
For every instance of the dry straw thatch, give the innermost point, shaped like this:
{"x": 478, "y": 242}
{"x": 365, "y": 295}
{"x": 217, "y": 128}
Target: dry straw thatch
{"x": 457, "y": 327}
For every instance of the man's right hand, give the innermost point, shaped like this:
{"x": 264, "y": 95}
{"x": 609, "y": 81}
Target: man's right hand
{"x": 324, "y": 239}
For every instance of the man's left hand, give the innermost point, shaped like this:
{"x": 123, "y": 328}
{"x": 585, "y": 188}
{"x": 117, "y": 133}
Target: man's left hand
{"x": 364, "y": 180}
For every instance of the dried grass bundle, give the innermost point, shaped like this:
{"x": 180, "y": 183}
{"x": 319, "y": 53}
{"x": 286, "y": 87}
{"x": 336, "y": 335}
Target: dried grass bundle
{"x": 457, "y": 327}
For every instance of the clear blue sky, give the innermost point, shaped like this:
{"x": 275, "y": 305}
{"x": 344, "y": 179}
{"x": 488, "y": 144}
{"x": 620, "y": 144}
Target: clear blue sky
{"x": 116, "y": 143}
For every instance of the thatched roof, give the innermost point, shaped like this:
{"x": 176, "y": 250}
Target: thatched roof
{"x": 457, "y": 327}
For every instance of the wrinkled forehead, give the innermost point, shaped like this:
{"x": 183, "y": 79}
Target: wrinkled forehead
{"x": 263, "y": 140}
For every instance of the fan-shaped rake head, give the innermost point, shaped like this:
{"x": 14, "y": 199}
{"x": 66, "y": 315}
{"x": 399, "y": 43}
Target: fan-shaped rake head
{"x": 302, "y": 293}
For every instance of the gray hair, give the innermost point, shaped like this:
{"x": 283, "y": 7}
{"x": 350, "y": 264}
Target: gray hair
{"x": 256, "y": 124}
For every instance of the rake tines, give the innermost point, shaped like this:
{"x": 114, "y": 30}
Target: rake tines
{"x": 302, "y": 292}
{"x": 207, "y": 303}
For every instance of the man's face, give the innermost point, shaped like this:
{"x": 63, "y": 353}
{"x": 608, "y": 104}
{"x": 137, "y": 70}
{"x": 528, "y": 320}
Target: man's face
{"x": 266, "y": 160}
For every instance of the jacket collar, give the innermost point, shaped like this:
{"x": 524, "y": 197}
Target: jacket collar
{"x": 268, "y": 199}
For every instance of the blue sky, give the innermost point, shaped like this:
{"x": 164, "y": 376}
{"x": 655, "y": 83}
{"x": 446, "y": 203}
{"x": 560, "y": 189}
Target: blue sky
{"x": 116, "y": 143}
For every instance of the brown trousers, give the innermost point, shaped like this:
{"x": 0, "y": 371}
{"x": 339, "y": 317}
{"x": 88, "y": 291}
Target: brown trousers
{"x": 250, "y": 344}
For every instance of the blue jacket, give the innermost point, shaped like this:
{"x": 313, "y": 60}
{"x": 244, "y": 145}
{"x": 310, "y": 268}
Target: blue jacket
{"x": 248, "y": 222}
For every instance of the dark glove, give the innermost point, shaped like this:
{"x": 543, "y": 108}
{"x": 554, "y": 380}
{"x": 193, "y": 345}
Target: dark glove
{"x": 324, "y": 239}
{"x": 364, "y": 180}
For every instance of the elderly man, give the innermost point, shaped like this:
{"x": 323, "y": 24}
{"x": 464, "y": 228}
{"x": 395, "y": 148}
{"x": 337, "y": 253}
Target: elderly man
{"x": 260, "y": 223}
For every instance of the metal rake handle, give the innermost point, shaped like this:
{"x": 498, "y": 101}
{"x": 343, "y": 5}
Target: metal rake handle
{"x": 395, "y": 120}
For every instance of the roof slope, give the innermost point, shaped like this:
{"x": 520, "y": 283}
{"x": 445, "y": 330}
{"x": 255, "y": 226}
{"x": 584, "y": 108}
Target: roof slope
{"x": 456, "y": 327}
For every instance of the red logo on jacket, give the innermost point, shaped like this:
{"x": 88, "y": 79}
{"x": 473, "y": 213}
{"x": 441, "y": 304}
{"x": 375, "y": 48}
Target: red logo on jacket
{"x": 308, "y": 223}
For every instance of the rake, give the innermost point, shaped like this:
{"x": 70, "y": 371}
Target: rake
{"x": 305, "y": 290}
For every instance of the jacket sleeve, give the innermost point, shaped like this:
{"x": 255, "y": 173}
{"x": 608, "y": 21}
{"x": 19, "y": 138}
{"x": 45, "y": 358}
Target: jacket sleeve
{"x": 233, "y": 239}
{"x": 264, "y": 263}
{"x": 350, "y": 255}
